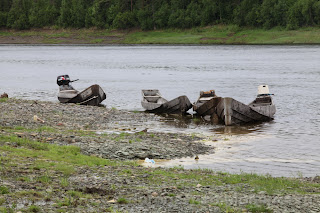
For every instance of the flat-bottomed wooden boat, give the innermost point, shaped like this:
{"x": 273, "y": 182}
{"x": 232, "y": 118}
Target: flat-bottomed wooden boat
{"x": 152, "y": 101}
{"x": 233, "y": 112}
{"x": 206, "y": 103}
{"x": 93, "y": 95}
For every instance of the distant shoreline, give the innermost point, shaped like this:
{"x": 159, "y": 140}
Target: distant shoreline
{"x": 214, "y": 35}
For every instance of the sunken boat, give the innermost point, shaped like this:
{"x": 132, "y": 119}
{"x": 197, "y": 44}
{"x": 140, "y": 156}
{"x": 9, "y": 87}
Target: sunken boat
{"x": 233, "y": 112}
{"x": 92, "y": 95}
{"x": 152, "y": 101}
{"x": 206, "y": 103}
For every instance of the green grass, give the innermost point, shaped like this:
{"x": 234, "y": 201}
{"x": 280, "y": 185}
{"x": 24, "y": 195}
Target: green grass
{"x": 225, "y": 208}
{"x": 4, "y": 190}
{"x": 163, "y": 37}
{"x": 60, "y": 154}
{"x": 121, "y": 136}
{"x": 256, "y": 183}
{"x": 24, "y": 179}
{"x": 11, "y": 209}
{"x": 217, "y": 34}
{"x": 41, "y": 129}
{"x": 66, "y": 169}
{"x": 226, "y": 34}
{"x": 2, "y": 201}
{"x": 46, "y": 179}
{"x": 64, "y": 182}
{"x": 28, "y": 33}
{"x": 270, "y": 185}
{"x": 52, "y": 41}
{"x": 19, "y": 128}
{"x": 33, "y": 195}
{"x": 60, "y": 34}
{"x": 65, "y": 202}
{"x": 77, "y": 194}
{"x": 122, "y": 200}
{"x": 5, "y": 33}
{"x": 96, "y": 41}
{"x": 34, "y": 208}
{"x": 257, "y": 208}
{"x": 196, "y": 202}
{"x": 2, "y": 100}
{"x": 24, "y": 142}
{"x": 45, "y": 129}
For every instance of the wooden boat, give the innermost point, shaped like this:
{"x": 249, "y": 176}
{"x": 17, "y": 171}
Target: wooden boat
{"x": 206, "y": 103}
{"x": 153, "y": 101}
{"x": 231, "y": 111}
{"x": 93, "y": 95}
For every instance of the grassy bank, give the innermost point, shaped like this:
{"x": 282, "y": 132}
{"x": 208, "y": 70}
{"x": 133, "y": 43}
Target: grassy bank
{"x": 66, "y": 159}
{"x": 45, "y": 168}
{"x": 43, "y": 173}
{"x": 220, "y": 34}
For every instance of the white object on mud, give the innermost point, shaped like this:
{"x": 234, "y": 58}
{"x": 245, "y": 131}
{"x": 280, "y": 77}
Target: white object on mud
{"x": 36, "y": 118}
{"x": 147, "y": 160}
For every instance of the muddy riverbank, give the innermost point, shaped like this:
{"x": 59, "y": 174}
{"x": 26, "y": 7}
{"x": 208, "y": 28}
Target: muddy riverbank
{"x": 71, "y": 158}
{"x": 108, "y": 133}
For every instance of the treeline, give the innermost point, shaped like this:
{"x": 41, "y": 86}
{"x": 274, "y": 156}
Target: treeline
{"x": 157, "y": 14}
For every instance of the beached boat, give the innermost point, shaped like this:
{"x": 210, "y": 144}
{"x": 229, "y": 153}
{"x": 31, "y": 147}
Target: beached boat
{"x": 152, "y": 101}
{"x": 206, "y": 103}
{"x": 93, "y": 95}
{"x": 231, "y": 111}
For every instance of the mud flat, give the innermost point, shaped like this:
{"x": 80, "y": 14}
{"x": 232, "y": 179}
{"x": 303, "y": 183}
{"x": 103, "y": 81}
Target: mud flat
{"x": 71, "y": 158}
{"x": 107, "y": 133}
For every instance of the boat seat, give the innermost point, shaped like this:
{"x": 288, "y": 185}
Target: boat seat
{"x": 205, "y": 98}
{"x": 263, "y": 100}
{"x": 153, "y": 98}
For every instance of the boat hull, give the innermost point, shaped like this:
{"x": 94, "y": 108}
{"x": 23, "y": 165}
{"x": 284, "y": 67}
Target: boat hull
{"x": 179, "y": 105}
{"x": 203, "y": 108}
{"x": 92, "y": 96}
{"x": 233, "y": 112}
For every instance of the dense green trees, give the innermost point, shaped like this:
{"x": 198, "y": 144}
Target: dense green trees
{"x": 158, "y": 14}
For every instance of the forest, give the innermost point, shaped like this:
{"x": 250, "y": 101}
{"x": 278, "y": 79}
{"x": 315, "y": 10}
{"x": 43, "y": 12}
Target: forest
{"x": 157, "y": 14}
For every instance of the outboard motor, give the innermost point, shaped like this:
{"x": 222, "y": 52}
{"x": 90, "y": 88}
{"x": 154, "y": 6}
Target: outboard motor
{"x": 263, "y": 90}
{"x": 63, "y": 80}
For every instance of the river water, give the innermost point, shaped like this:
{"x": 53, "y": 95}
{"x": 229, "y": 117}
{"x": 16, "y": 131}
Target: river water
{"x": 287, "y": 146}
